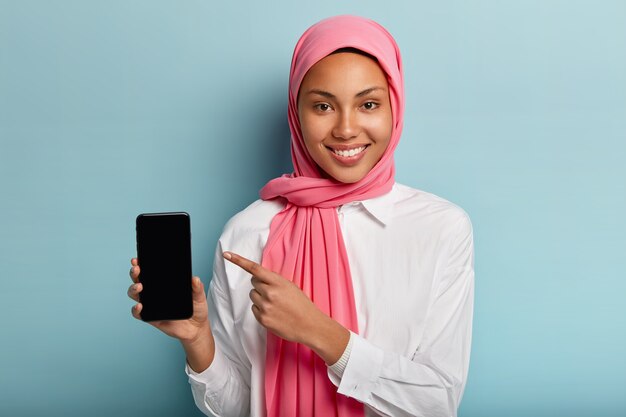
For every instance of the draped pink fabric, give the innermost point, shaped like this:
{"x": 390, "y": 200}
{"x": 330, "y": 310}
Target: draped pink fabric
{"x": 305, "y": 243}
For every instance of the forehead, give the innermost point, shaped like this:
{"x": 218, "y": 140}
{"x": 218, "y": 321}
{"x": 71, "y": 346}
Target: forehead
{"x": 344, "y": 69}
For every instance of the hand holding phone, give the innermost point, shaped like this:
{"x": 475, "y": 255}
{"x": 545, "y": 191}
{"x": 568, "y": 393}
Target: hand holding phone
{"x": 194, "y": 332}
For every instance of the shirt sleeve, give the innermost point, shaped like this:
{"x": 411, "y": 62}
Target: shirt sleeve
{"x": 222, "y": 389}
{"x": 430, "y": 383}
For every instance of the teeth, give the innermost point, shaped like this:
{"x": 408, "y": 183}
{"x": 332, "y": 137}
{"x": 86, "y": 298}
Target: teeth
{"x": 351, "y": 152}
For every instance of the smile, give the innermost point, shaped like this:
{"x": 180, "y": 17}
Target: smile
{"x": 347, "y": 153}
{"x": 348, "y": 156}
{"x": 351, "y": 152}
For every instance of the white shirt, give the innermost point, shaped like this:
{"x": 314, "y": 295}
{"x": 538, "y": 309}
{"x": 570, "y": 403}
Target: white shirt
{"x": 412, "y": 267}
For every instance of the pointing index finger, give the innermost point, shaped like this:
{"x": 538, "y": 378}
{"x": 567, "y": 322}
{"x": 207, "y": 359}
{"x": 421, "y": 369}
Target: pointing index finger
{"x": 246, "y": 264}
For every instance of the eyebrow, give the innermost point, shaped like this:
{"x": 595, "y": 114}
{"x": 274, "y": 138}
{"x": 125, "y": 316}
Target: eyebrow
{"x": 330, "y": 95}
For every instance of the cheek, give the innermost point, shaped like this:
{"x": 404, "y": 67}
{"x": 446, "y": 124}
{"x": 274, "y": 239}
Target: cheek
{"x": 314, "y": 130}
{"x": 312, "y": 140}
{"x": 380, "y": 128}
{"x": 388, "y": 125}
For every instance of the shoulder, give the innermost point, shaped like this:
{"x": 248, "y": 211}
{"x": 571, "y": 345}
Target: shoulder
{"x": 247, "y": 230}
{"x": 414, "y": 206}
{"x": 257, "y": 215}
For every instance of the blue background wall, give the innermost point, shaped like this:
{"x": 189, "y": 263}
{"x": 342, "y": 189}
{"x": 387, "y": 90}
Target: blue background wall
{"x": 516, "y": 111}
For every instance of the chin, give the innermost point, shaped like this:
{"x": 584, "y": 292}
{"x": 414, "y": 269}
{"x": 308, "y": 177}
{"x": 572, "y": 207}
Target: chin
{"x": 346, "y": 175}
{"x": 347, "y": 179}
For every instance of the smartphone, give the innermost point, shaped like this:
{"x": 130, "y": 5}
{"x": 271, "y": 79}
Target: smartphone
{"x": 164, "y": 255}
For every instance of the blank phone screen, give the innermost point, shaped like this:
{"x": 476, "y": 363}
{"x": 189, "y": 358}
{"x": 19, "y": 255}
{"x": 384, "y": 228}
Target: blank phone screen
{"x": 164, "y": 254}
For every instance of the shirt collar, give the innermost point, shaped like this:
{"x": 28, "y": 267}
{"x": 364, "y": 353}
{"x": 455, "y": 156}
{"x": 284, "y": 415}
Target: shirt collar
{"x": 381, "y": 207}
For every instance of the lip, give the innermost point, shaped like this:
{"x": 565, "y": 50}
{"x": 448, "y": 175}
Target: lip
{"x": 347, "y": 160}
{"x": 342, "y": 147}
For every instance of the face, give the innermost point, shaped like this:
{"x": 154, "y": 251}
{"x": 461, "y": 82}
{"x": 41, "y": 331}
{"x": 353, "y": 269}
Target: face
{"x": 345, "y": 115}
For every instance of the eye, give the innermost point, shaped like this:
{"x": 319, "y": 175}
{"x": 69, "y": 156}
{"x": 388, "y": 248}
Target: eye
{"x": 370, "y": 105}
{"x": 322, "y": 107}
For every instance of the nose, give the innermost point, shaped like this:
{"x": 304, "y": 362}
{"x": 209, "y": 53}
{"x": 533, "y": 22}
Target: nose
{"x": 346, "y": 126}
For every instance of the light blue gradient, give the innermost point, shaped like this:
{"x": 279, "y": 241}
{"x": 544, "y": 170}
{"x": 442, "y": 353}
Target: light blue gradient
{"x": 516, "y": 111}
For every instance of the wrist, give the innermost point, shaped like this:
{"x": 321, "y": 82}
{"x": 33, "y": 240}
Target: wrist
{"x": 200, "y": 350}
{"x": 328, "y": 339}
{"x": 199, "y": 336}
{"x": 339, "y": 367}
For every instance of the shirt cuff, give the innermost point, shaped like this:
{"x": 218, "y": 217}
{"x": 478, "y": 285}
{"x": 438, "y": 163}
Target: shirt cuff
{"x": 208, "y": 383}
{"x": 362, "y": 371}
{"x": 339, "y": 367}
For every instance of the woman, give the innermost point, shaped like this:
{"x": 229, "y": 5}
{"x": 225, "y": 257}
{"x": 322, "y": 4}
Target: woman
{"x": 340, "y": 292}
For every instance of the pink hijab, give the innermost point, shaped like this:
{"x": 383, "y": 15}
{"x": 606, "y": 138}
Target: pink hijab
{"x": 305, "y": 243}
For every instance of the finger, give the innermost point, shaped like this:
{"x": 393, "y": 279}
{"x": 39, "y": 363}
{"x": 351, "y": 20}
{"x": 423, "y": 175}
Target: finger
{"x": 257, "y": 312}
{"x": 136, "y": 311}
{"x": 256, "y": 297}
{"x": 134, "y": 261}
{"x": 259, "y": 285}
{"x": 249, "y": 266}
{"x": 197, "y": 288}
{"x": 134, "y": 273}
{"x": 134, "y": 290}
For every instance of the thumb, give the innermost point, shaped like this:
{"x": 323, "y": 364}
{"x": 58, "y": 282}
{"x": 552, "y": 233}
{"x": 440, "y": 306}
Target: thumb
{"x": 198, "y": 290}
